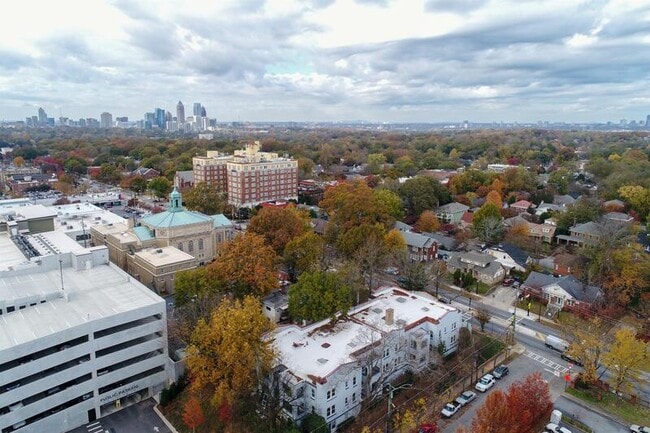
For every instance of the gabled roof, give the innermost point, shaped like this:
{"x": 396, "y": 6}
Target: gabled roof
{"x": 517, "y": 254}
{"x": 417, "y": 240}
{"x": 589, "y": 228}
{"x": 563, "y": 200}
{"x": 186, "y": 176}
{"x": 403, "y": 227}
{"x": 453, "y": 207}
{"x": 522, "y": 204}
{"x": 618, "y": 217}
{"x": 576, "y": 289}
{"x": 467, "y": 217}
{"x": 448, "y": 242}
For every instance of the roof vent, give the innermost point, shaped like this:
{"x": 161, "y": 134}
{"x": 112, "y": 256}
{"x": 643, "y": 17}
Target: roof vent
{"x": 322, "y": 361}
{"x": 401, "y": 300}
{"x": 325, "y": 345}
{"x": 159, "y": 251}
{"x": 425, "y": 308}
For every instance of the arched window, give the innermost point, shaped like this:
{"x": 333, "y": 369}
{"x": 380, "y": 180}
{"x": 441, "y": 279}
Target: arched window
{"x": 180, "y": 246}
{"x": 190, "y": 246}
{"x": 200, "y": 244}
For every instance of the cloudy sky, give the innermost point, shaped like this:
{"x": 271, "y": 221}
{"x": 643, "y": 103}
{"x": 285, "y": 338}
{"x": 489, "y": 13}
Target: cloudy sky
{"x": 305, "y": 60}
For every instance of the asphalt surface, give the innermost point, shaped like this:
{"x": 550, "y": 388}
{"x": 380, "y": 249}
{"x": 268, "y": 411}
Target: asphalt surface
{"x": 137, "y": 418}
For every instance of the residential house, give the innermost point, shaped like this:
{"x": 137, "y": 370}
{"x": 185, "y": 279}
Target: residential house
{"x": 563, "y": 200}
{"x": 275, "y": 306}
{"x": 145, "y": 172}
{"x": 402, "y": 227}
{"x": 451, "y": 213}
{"x": 565, "y": 264}
{"x": 331, "y": 368}
{"x": 591, "y": 232}
{"x": 521, "y": 206}
{"x": 565, "y": 292}
{"x": 549, "y": 207}
{"x": 467, "y": 219}
{"x": 542, "y": 232}
{"x": 420, "y": 248}
{"x": 511, "y": 257}
{"x": 483, "y": 267}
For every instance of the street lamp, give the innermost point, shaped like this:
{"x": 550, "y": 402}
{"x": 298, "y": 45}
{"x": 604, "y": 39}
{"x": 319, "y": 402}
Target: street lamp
{"x": 392, "y": 389}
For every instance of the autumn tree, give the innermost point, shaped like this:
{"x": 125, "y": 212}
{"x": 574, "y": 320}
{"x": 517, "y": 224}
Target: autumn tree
{"x": 376, "y": 162}
{"x": 428, "y": 222}
{"x": 529, "y": 401}
{"x": 303, "y": 254}
{"x": 228, "y": 355}
{"x": 408, "y": 419}
{"x": 280, "y": 225}
{"x": 495, "y": 198}
{"x": 318, "y": 295}
{"x": 193, "y": 416}
{"x": 469, "y": 180}
{"x": 587, "y": 344}
{"x": 625, "y": 359}
{"x": 518, "y": 179}
{"x": 246, "y": 265}
{"x": 372, "y": 249}
{"x": 160, "y": 186}
{"x": 437, "y": 272}
{"x": 138, "y": 184}
{"x": 19, "y": 161}
{"x": 494, "y": 416}
{"x": 205, "y": 198}
{"x": 638, "y": 197}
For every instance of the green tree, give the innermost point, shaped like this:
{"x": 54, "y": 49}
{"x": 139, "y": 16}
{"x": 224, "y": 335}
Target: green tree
{"x": 160, "y": 186}
{"x": 376, "y": 162}
{"x": 582, "y": 211}
{"x": 559, "y": 179}
{"x": 638, "y": 197}
{"x": 625, "y": 359}
{"x": 205, "y": 199}
{"x": 304, "y": 253}
{"x": 487, "y": 224}
{"x": 228, "y": 355}
{"x": 138, "y": 184}
{"x": 318, "y": 295}
{"x": 390, "y": 201}
{"x": 423, "y": 193}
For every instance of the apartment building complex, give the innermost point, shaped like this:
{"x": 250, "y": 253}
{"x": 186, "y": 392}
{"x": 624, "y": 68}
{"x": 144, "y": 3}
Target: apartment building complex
{"x": 79, "y": 338}
{"x": 250, "y": 177}
{"x": 329, "y": 369}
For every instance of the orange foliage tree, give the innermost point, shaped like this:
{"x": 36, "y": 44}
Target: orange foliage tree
{"x": 529, "y": 401}
{"x": 280, "y": 225}
{"x": 494, "y": 416}
{"x": 428, "y": 222}
{"x": 193, "y": 416}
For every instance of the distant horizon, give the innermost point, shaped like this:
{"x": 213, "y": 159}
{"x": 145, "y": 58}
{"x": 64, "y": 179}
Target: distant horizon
{"x": 408, "y": 61}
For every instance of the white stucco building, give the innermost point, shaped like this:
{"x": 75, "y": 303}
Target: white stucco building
{"x": 329, "y": 369}
{"x": 79, "y": 338}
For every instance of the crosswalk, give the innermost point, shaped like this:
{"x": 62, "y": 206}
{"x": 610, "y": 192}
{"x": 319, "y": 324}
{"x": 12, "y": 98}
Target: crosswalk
{"x": 553, "y": 366}
{"x": 95, "y": 427}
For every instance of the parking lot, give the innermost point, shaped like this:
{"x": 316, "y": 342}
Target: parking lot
{"x": 137, "y": 418}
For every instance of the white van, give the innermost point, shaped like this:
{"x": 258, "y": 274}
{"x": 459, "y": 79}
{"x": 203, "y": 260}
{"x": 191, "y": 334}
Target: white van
{"x": 553, "y": 342}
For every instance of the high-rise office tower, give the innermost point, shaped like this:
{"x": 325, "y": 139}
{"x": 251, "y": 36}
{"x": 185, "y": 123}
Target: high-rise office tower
{"x": 42, "y": 116}
{"x": 106, "y": 120}
{"x": 160, "y": 118}
{"x": 196, "y": 109}
{"x": 647, "y": 121}
{"x": 203, "y": 112}
{"x": 180, "y": 112}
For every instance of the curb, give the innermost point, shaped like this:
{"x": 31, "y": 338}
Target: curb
{"x": 585, "y": 405}
{"x": 164, "y": 419}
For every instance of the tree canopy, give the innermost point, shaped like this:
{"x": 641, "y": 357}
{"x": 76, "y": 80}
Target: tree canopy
{"x": 279, "y": 226}
{"x": 318, "y": 295}
{"x": 205, "y": 199}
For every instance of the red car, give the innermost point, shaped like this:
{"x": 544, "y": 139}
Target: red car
{"x": 427, "y": 428}
{"x": 508, "y": 281}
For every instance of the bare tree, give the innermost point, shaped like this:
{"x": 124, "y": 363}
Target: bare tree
{"x": 437, "y": 272}
{"x": 483, "y": 316}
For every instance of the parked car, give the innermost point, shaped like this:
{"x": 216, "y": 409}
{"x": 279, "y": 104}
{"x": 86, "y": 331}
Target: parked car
{"x": 554, "y": 428}
{"x": 427, "y": 428}
{"x": 392, "y": 271}
{"x": 485, "y": 383}
{"x": 500, "y": 371}
{"x": 553, "y": 342}
{"x": 465, "y": 398}
{"x": 571, "y": 359}
{"x": 508, "y": 281}
{"x": 639, "y": 429}
{"x": 450, "y": 409}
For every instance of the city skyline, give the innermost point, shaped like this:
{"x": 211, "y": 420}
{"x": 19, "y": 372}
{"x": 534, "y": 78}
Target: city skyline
{"x": 415, "y": 61}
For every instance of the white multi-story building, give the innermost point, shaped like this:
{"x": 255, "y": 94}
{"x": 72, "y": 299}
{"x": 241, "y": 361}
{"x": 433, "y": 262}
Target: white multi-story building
{"x": 79, "y": 339}
{"x": 329, "y": 369}
{"x": 211, "y": 169}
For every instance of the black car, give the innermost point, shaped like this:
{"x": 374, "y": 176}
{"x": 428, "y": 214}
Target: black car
{"x": 571, "y": 360}
{"x": 501, "y": 371}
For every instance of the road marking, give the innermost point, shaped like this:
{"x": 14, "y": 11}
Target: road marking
{"x": 93, "y": 424}
{"x": 95, "y": 428}
{"x": 545, "y": 361}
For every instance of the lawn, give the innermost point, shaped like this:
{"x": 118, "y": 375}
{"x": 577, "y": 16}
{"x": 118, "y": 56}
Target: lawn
{"x": 610, "y": 403}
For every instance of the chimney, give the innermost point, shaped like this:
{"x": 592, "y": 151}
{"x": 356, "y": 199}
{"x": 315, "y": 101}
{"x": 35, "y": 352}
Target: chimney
{"x": 390, "y": 313}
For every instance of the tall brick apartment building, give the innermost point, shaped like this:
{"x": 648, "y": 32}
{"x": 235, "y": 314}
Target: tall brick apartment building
{"x": 250, "y": 177}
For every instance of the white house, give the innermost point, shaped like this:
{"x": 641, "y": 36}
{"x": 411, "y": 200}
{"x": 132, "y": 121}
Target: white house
{"x": 330, "y": 368}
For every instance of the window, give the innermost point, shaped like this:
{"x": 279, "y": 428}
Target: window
{"x": 453, "y": 325}
{"x": 331, "y": 393}
{"x": 354, "y": 381}
{"x": 180, "y": 246}
{"x": 190, "y": 246}
{"x": 386, "y": 352}
{"x": 346, "y": 401}
{"x": 200, "y": 244}
{"x": 347, "y": 384}
{"x": 331, "y": 410}
{"x": 354, "y": 396}
{"x": 313, "y": 393}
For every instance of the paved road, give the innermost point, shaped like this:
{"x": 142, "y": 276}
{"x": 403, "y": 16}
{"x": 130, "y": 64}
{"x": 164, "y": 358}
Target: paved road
{"x": 598, "y": 422}
{"x": 138, "y": 418}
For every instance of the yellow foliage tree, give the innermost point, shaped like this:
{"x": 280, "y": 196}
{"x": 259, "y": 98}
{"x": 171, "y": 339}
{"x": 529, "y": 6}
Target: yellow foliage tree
{"x": 246, "y": 265}
{"x": 587, "y": 345}
{"x": 228, "y": 355}
{"x": 428, "y": 222}
{"x": 625, "y": 358}
{"x": 495, "y": 198}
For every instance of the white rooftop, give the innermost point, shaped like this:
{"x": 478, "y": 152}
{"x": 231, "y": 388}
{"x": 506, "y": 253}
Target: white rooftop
{"x": 10, "y": 254}
{"x": 81, "y": 216}
{"x": 27, "y": 211}
{"x": 99, "y": 292}
{"x": 164, "y": 256}
{"x": 317, "y": 350}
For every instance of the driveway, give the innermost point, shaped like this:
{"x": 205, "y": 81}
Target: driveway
{"x": 137, "y": 418}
